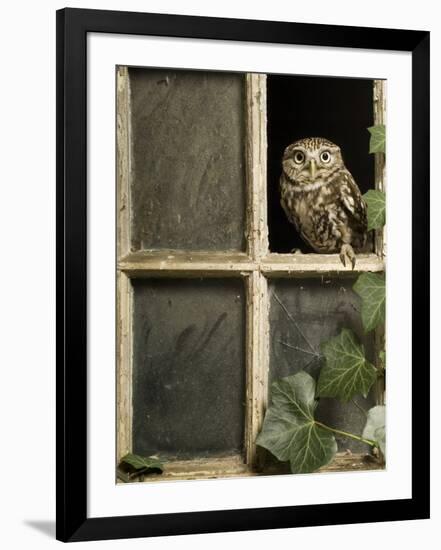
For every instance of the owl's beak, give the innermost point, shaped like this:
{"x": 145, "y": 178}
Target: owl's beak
{"x": 312, "y": 168}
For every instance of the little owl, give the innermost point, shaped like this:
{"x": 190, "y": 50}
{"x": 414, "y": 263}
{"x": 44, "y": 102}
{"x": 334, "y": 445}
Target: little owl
{"x": 320, "y": 197}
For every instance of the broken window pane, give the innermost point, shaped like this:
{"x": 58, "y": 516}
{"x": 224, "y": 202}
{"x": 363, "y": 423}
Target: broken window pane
{"x": 338, "y": 109}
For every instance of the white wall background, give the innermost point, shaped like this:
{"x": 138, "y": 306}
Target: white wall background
{"x": 27, "y": 145}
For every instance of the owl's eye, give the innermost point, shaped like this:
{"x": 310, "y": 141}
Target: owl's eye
{"x": 325, "y": 156}
{"x": 299, "y": 157}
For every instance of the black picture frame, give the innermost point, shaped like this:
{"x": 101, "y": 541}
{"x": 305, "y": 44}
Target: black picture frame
{"x": 71, "y": 428}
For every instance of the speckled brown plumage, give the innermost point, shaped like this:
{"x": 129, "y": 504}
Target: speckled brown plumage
{"x": 320, "y": 197}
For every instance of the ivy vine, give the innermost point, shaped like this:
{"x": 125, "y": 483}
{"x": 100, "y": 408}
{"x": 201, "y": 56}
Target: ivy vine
{"x": 290, "y": 430}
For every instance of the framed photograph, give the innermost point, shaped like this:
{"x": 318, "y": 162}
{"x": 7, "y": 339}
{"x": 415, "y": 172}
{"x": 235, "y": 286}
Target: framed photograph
{"x": 242, "y": 274}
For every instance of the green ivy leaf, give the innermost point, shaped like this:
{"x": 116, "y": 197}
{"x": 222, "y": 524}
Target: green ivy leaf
{"x": 289, "y": 430}
{"x": 371, "y": 287}
{"x": 142, "y": 463}
{"x": 382, "y": 357}
{"x": 376, "y": 208}
{"x": 377, "y": 142}
{"x": 375, "y": 428}
{"x": 347, "y": 371}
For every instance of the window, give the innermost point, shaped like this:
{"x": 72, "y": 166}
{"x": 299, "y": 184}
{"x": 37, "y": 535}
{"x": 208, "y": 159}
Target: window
{"x": 212, "y": 304}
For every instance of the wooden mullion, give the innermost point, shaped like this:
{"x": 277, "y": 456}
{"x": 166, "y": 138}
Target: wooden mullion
{"x": 143, "y": 263}
{"x": 380, "y": 158}
{"x": 124, "y": 371}
{"x": 124, "y": 287}
{"x": 256, "y": 360}
{"x": 256, "y": 162}
{"x": 257, "y": 356}
{"x": 298, "y": 265}
{"x": 181, "y": 263}
{"x": 380, "y": 235}
{"x": 123, "y": 160}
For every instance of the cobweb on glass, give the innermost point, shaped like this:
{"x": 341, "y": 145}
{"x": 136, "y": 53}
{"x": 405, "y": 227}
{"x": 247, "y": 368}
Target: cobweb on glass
{"x": 310, "y": 352}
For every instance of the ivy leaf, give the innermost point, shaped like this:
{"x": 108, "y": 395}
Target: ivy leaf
{"x": 375, "y": 428}
{"x": 139, "y": 463}
{"x": 376, "y": 208}
{"x": 371, "y": 287}
{"x": 347, "y": 372}
{"x": 289, "y": 430}
{"x": 382, "y": 357}
{"x": 377, "y": 142}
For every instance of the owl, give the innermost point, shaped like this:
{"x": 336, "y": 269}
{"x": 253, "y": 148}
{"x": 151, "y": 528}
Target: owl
{"x": 322, "y": 200}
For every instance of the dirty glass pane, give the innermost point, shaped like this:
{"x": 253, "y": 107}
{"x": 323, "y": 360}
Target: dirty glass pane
{"x": 187, "y": 160}
{"x": 188, "y": 367}
{"x": 304, "y": 313}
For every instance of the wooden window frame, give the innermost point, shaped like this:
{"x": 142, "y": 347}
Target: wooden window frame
{"x": 255, "y": 266}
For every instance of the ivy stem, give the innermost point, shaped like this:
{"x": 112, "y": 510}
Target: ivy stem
{"x": 347, "y": 434}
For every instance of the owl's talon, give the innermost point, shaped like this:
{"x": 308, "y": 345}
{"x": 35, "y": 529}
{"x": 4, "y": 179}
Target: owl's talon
{"x": 347, "y": 252}
{"x": 353, "y": 263}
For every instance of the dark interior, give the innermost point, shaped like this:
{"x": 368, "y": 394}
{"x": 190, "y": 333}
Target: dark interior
{"x": 339, "y": 109}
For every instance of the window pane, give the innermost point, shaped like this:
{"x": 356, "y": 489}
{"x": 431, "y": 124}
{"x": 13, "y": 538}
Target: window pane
{"x": 303, "y": 314}
{"x": 188, "y": 367}
{"x": 338, "y": 109}
{"x": 187, "y": 165}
